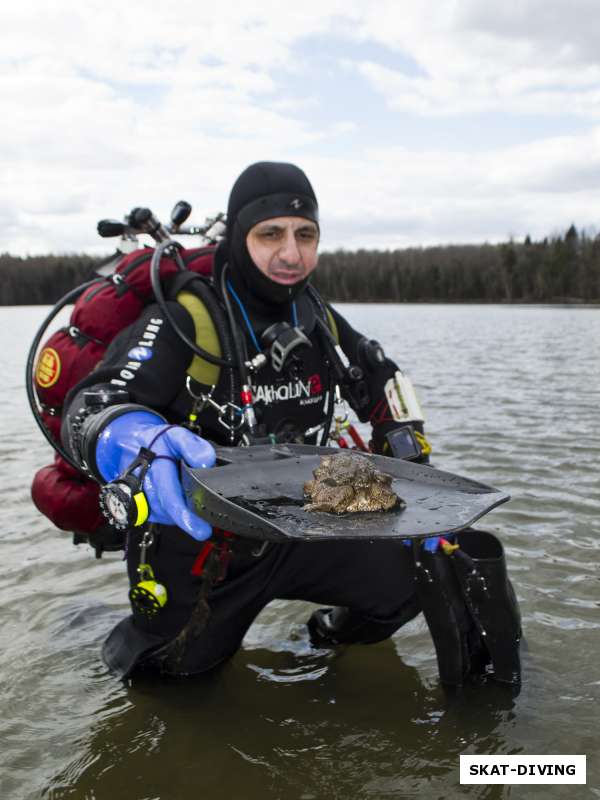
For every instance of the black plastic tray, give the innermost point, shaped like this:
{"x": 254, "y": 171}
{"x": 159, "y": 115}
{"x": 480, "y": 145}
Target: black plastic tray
{"x": 257, "y": 492}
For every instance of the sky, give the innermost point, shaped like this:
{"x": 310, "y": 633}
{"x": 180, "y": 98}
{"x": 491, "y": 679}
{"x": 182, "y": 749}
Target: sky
{"x": 418, "y": 123}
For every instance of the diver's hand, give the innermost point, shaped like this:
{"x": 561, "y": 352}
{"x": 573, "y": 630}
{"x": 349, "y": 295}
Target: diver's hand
{"x": 119, "y": 444}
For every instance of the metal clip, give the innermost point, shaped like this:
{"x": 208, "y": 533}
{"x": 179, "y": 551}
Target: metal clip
{"x": 315, "y": 429}
{"x": 200, "y": 397}
{"x": 237, "y": 412}
{"x": 256, "y": 363}
{"x": 339, "y": 401}
{"x": 207, "y": 400}
{"x": 145, "y": 545}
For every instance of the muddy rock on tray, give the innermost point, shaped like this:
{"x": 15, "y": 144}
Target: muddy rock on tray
{"x": 348, "y": 482}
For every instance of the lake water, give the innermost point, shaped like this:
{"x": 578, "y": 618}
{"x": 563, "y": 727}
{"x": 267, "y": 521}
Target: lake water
{"x": 511, "y": 396}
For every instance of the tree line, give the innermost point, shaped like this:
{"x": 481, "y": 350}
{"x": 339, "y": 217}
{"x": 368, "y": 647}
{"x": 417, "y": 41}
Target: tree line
{"x": 562, "y": 268}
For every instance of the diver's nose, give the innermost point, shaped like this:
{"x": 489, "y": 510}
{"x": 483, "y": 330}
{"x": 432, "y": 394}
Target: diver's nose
{"x": 289, "y": 251}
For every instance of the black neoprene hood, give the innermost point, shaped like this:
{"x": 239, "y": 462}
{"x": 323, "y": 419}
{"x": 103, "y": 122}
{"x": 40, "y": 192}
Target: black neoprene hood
{"x": 263, "y": 191}
{"x": 270, "y": 189}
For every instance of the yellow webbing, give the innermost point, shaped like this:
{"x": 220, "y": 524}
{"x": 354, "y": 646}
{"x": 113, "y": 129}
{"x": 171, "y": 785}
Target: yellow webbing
{"x": 206, "y": 338}
{"x": 424, "y": 444}
{"x": 142, "y": 508}
{"x": 332, "y": 325}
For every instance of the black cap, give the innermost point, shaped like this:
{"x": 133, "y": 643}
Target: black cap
{"x": 270, "y": 189}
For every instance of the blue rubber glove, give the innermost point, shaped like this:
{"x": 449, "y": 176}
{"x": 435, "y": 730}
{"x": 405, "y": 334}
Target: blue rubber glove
{"x": 119, "y": 444}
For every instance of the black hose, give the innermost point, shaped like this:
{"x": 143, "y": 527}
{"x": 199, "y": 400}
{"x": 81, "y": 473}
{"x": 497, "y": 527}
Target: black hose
{"x": 70, "y": 297}
{"x": 162, "y": 304}
{"x": 215, "y": 312}
{"x": 328, "y": 341}
{"x": 241, "y": 363}
{"x": 329, "y": 415}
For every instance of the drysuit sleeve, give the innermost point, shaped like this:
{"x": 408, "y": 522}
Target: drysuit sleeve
{"x": 144, "y": 366}
{"x": 379, "y": 370}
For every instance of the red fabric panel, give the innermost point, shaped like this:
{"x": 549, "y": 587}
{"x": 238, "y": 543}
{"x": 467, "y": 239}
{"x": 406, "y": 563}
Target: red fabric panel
{"x": 52, "y": 423}
{"x": 202, "y": 262}
{"x": 61, "y": 364}
{"x": 68, "y": 499}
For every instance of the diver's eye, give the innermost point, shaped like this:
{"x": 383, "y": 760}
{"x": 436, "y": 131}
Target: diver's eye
{"x": 306, "y": 235}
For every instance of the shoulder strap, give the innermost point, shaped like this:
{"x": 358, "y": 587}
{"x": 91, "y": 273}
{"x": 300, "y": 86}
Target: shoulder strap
{"x": 324, "y": 311}
{"x": 196, "y": 294}
{"x": 206, "y": 337}
{"x": 332, "y": 324}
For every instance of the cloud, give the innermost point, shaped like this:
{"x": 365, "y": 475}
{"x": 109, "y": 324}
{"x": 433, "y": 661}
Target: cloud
{"x": 433, "y": 196}
{"x": 562, "y": 32}
{"x": 110, "y": 106}
{"x": 525, "y": 58}
{"x": 527, "y": 91}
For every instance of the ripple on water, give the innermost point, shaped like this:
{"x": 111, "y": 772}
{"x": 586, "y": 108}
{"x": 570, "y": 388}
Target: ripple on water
{"x": 282, "y": 719}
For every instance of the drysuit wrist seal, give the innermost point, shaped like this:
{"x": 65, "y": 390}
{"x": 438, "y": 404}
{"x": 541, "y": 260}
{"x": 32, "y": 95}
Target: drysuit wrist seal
{"x": 95, "y": 421}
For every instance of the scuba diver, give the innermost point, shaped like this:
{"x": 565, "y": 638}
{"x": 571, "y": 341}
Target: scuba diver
{"x": 271, "y": 359}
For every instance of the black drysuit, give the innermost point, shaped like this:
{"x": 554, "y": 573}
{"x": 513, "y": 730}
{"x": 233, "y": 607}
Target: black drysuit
{"x": 375, "y": 580}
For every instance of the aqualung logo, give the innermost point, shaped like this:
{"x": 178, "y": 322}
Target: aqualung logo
{"x": 140, "y": 353}
{"x": 307, "y": 392}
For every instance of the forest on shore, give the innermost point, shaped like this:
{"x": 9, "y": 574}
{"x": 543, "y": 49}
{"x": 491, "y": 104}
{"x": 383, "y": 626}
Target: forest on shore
{"x": 559, "y": 269}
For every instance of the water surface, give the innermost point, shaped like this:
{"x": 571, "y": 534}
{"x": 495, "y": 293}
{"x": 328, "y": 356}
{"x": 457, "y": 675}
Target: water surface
{"x": 511, "y": 396}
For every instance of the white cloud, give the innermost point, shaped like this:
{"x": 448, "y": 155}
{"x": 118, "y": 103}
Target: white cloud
{"x": 435, "y": 195}
{"x": 525, "y": 58}
{"x": 109, "y": 105}
{"x": 527, "y": 91}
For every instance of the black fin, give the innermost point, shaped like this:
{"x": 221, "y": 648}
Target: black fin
{"x": 491, "y": 599}
{"x": 458, "y": 646}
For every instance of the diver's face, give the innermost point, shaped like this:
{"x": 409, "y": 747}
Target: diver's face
{"x": 284, "y": 248}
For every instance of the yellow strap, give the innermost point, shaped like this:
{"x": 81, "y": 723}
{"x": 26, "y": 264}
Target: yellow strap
{"x": 332, "y": 326}
{"x": 206, "y": 337}
{"x": 143, "y": 511}
{"x": 423, "y": 443}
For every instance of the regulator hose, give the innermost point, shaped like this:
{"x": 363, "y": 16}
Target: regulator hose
{"x": 162, "y": 304}
{"x": 68, "y": 298}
